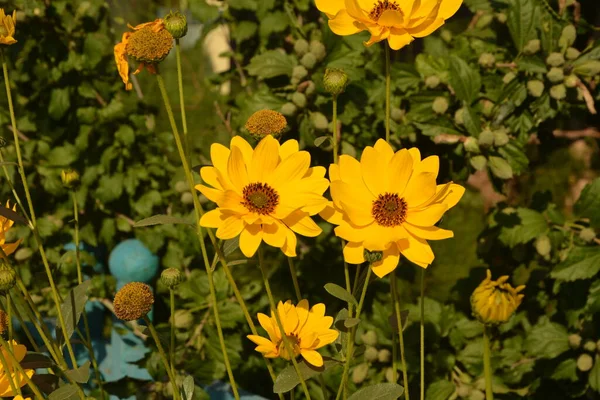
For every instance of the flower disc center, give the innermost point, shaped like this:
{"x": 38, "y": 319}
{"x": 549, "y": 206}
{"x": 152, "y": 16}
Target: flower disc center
{"x": 294, "y": 342}
{"x": 260, "y": 198}
{"x": 381, "y": 6}
{"x": 389, "y": 210}
{"x": 146, "y": 45}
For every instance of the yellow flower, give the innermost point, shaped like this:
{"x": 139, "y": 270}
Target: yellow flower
{"x": 398, "y": 21}
{"x": 7, "y": 27}
{"x": 267, "y": 193}
{"x": 389, "y": 202}
{"x": 19, "y": 397}
{"x": 19, "y": 379}
{"x": 306, "y": 330}
{"x": 148, "y": 44}
{"x": 5, "y": 225}
{"x": 494, "y": 302}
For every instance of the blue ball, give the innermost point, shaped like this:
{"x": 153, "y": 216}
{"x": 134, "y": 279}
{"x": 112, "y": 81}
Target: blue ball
{"x": 131, "y": 261}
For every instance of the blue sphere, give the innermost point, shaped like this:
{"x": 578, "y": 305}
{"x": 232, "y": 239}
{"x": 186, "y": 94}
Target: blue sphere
{"x": 131, "y": 261}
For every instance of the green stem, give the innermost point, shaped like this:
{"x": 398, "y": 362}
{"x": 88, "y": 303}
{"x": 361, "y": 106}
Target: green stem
{"x": 335, "y": 131}
{"x": 9, "y": 315}
{"x": 388, "y": 91}
{"x": 487, "y": 364}
{"x": 172, "y": 352}
{"x": 350, "y": 344}
{"x": 294, "y": 274}
{"x": 17, "y": 365}
{"x": 181, "y": 97}
{"x": 163, "y": 356}
{"x": 286, "y": 343}
{"x": 396, "y": 301}
{"x": 422, "y": 326}
{"x": 25, "y": 327}
{"x": 197, "y": 207}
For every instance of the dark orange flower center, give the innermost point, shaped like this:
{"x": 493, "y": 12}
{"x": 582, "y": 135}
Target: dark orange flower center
{"x": 146, "y": 45}
{"x": 294, "y": 342}
{"x": 260, "y": 198}
{"x": 389, "y": 210}
{"x": 381, "y": 6}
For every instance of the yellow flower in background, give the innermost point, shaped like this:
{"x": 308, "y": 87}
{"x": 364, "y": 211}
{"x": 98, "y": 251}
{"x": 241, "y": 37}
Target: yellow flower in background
{"x": 264, "y": 194}
{"x": 7, "y": 27}
{"x": 5, "y": 225}
{"x": 494, "y": 302}
{"x": 398, "y": 21}
{"x": 389, "y": 202}
{"x": 148, "y": 44}
{"x": 306, "y": 330}
{"x": 19, "y": 379}
{"x": 19, "y": 397}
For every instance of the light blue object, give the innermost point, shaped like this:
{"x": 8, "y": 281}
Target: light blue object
{"x": 131, "y": 261}
{"x": 122, "y": 352}
{"x": 222, "y": 391}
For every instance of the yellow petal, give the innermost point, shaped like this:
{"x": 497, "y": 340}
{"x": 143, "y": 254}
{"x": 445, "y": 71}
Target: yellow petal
{"x": 334, "y": 172}
{"x": 359, "y": 216}
{"x": 426, "y": 28}
{"x": 264, "y": 159}
{"x": 426, "y": 216}
{"x": 290, "y": 320}
{"x": 391, "y": 18}
{"x": 417, "y": 250}
{"x": 349, "y": 193}
{"x": 330, "y": 7}
{"x": 424, "y": 8}
{"x": 302, "y": 224}
{"x": 455, "y": 194}
{"x": 448, "y": 8}
{"x": 315, "y": 173}
{"x": 388, "y": 262}
{"x": 236, "y": 169}
{"x": 421, "y": 187}
{"x": 331, "y": 214}
{"x": 379, "y": 238}
{"x": 399, "y": 38}
{"x": 406, "y": 6}
{"x": 270, "y": 326}
{"x": 429, "y": 164}
{"x": 429, "y": 233}
{"x": 400, "y": 169}
{"x": 219, "y": 155}
{"x": 374, "y": 171}
{"x": 274, "y": 234}
{"x": 289, "y": 248}
{"x": 209, "y": 176}
{"x": 250, "y": 239}
{"x": 415, "y": 154}
{"x": 343, "y": 24}
{"x": 292, "y": 168}
{"x": 230, "y": 228}
{"x": 302, "y": 310}
{"x": 231, "y": 201}
{"x": 312, "y": 357}
{"x": 354, "y": 253}
{"x": 244, "y": 146}
{"x": 10, "y": 248}
{"x": 384, "y": 149}
{"x": 349, "y": 169}
{"x": 353, "y": 7}
{"x": 288, "y": 148}
{"x": 377, "y": 38}
{"x": 214, "y": 195}
{"x": 318, "y": 310}
{"x": 328, "y": 337}
{"x": 212, "y": 219}
{"x": 350, "y": 233}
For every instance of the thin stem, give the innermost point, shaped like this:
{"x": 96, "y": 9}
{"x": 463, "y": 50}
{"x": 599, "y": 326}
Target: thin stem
{"x": 286, "y": 343}
{"x": 388, "y": 90}
{"x": 25, "y": 327}
{"x": 172, "y": 352}
{"x": 17, "y": 365}
{"x": 294, "y": 278}
{"x": 9, "y": 315}
{"x": 198, "y": 210}
{"x": 422, "y": 326}
{"x": 396, "y": 301}
{"x": 487, "y": 364}
{"x": 163, "y": 356}
{"x": 16, "y": 389}
{"x": 335, "y": 131}
{"x": 350, "y": 344}
{"x": 180, "y": 80}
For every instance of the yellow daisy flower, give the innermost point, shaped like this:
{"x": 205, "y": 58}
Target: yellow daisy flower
{"x": 267, "y": 193}
{"x": 19, "y": 397}
{"x": 398, "y": 21}
{"x": 19, "y": 352}
{"x": 5, "y": 225}
{"x": 306, "y": 330}
{"x": 389, "y": 202}
{"x": 7, "y": 27}
{"x": 148, "y": 44}
{"x": 494, "y": 302}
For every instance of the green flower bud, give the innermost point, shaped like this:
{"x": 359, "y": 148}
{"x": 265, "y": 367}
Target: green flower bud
{"x": 319, "y": 121}
{"x": 389, "y": 375}
{"x": 176, "y": 24}
{"x": 187, "y": 198}
{"x": 289, "y": 109}
{"x": 555, "y": 75}
{"x": 171, "y": 277}
{"x": 459, "y": 116}
{"x": 181, "y": 186}
{"x": 568, "y": 36}
{"x": 486, "y": 138}
{"x": 590, "y": 346}
{"x": 309, "y": 60}
{"x": 440, "y": 105}
{"x": 299, "y": 99}
{"x": 369, "y": 338}
{"x": 384, "y": 356}
{"x": 318, "y": 49}
{"x": 7, "y": 277}
{"x": 555, "y": 60}
{"x": 585, "y": 362}
{"x": 23, "y": 254}
{"x": 484, "y": 21}
{"x": 301, "y": 47}
{"x": 587, "y": 234}
{"x": 574, "y": 340}
{"x": 397, "y": 114}
{"x": 359, "y": 373}
{"x": 487, "y": 60}
{"x": 463, "y": 391}
{"x": 508, "y": 78}
{"x": 558, "y": 92}
{"x": 372, "y": 256}
{"x": 571, "y": 81}
{"x": 183, "y": 319}
{"x": 335, "y": 81}
{"x": 472, "y": 145}
{"x": 535, "y": 88}
{"x": 371, "y": 354}
{"x": 477, "y": 395}
{"x": 299, "y": 72}
{"x": 501, "y": 138}
{"x": 487, "y": 107}
{"x": 446, "y": 35}
{"x": 70, "y": 178}
{"x": 501, "y": 17}
{"x": 543, "y": 245}
{"x": 478, "y": 162}
{"x": 432, "y": 81}
{"x": 532, "y": 47}
{"x": 572, "y": 53}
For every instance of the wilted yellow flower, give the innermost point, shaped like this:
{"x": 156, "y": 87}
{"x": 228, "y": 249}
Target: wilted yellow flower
{"x": 266, "y": 122}
{"x": 268, "y": 193}
{"x": 133, "y": 301}
{"x": 148, "y": 44}
{"x": 18, "y": 378}
{"x": 398, "y": 21}
{"x": 389, "y": 202}
{"x": 5, "y": 225}
{"x": 7, "y": 27}
{"x": 306, "y": 330}
{"x": 494, "y": 302}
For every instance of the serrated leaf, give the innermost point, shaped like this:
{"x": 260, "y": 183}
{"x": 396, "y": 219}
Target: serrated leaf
{"x": 520, "y": 22}
{"x": 581, "y": 263}
{"x": 66, "y": 392}
{"x": 80, "y": 374}
{"x": 288, "y": 379}
{"x": 340, "y": 293}
{"x": 566, "y": 370}
{"x": 72, "y": 307}
{"x": 440, "y": 390}
{"x": 381, "y": 391}
{"x": 465, "y": 80}
{"x": 529, "y": 225}
{"x": 547, "y": 340}
{"x": 162, "y": 220}
{"x": 270, "y": 64}
{"x": 188, "y": 387}
{"x": 588, "y": 204}
{"x": 500, "y": 167}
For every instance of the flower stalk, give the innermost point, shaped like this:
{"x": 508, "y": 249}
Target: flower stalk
{"x": 487, "y": 364}
{"x": 396, "y": 302}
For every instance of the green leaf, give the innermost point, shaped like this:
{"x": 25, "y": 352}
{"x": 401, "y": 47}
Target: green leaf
{"x": 381, "y": 391}
{"x": 520, "y": 22}
{"x": 472, "y": 121}
{"x": 547, "y": 340}
{"x": 465, "y": 80}
{"x": 188, "y": 387}
{"x": 528, "y": 225}
{"x": 231, "y": 245}
{"x": 340, "y": 293}
{"x": 288, "y": 379}
{"x": 34, "y": 360}
{"x": 394, "y": 321}
{"x": 270, "y": 64}
{"x": 320, "y": 140}
{"x": 588, "y": 205}
{"x": 62, "y": 156}
{"x": 80, "y": 374}
{"x": 273, "y": 23}
{"x": 243, "y": 4}
{"x": 162, "y": 220}
{"x": 500, "y": 167}
{"x": 440, "y": 390}
{"x": 594, "y": 377}
{"x": 350, "y": 322}
{"x": 66, "y": 392}
{"x": 59, "y": 103}
{"x": 72, "y": 307}
{"x": 566, "y": 370}
{"x": 581, "y": 263}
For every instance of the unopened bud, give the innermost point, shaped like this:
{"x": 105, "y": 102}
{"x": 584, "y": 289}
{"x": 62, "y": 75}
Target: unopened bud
{"x": 574, "y": 340}
{"x": 301, "y": 47}
{"x": 309, "y": 60}
{"x": 70, "y": 178}
{"x": 8, "y": 277}
{"x": 432, "y": 81}
{"x": 487, "y": 60}
{"x": 532, "y": 47}
{"x": 535, "y": 88}
{"x": 359, "y": 373}
{"x": 335, "y": 81}
{"x": 318, "y": 49}
{"x": 176, "y": 24}
{"x": 585, "y": 362}
{"x": 369, "y": 338}
{"x": 587, "y": 234}
{"x": 472, "y": 145}
{"x": 440, "y": 105}
{"x": 171, "y": 277}
{"x": 572, "y": 53}
{"x": 558, "y": 92}
{"x": 384, "y": 356}
{"x": 371, "y": 354}
{"x": 555, "y": 60}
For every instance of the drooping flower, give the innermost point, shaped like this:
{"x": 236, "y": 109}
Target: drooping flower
{"x": 148, "y": 44}
{"x": 7, "y": 27}
{"x": 18, "y": 378}
{"x": 133, "y": 301}
{"x": 398, "y": 21}
{"x": 5, "y": 225}
{"x": 389, "y": 202}
{"x": 268, "y": 193}
{"x": 306, "y": 330}
{"x": 494, "y": 302}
